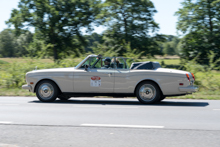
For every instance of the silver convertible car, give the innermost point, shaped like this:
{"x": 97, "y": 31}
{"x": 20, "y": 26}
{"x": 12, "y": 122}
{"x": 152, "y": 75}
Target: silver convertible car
{"x": 110, "y": 76}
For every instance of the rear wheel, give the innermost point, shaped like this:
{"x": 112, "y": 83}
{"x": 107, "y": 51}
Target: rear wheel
{"x": 162, "y": 97}
{"x": 148, "y": 92}
{"x": 47, "y": 91}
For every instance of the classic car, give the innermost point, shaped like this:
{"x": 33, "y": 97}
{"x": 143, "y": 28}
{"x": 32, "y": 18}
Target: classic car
{"x": 110, "y": 76}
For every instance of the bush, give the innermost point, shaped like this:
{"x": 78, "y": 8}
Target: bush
{"x": 206, "y": 75}
{"x": 12, "y": 75}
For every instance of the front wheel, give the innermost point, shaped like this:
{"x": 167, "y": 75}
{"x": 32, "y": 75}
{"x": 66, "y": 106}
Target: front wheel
{"x": 63, "y": 97}
{"x": 148, "y": 92}
{"x": 47, "y": 91}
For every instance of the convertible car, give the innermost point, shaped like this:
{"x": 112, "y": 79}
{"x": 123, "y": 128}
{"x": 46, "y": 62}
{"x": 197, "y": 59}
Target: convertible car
{"x": 110, "y": 76}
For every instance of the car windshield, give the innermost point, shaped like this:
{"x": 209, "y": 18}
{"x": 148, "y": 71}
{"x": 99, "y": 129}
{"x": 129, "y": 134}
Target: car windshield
{"x": 81, "y": 63}
{"x": 98, "y": 62}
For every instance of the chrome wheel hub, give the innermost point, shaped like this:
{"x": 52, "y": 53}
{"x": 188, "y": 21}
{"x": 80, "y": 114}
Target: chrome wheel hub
{"x": 147, "y": 92}
{"x": 46, "y": 90}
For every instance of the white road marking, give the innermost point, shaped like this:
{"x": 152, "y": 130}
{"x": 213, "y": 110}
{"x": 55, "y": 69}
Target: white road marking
{"x": 7, "y": 145}
{"x": 122, "y": 126}
{"x": 217, "y": 109}
{"x": 5, "y": 122}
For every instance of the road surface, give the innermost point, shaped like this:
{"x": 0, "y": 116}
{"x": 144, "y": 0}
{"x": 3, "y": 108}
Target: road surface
{"x": 105, "y": 122}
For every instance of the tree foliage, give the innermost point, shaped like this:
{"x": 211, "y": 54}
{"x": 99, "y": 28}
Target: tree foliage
{"x": 22, "y": 42}
{"x": 199, "y": 21}
{"x": 57, "y": 21}
{"x": 171, "y": 46}
{"x": 7, "y": 43}
{"x": 93, "y": 39}
{"x": 12, "y": 45}
{"x": 131, "y": 21}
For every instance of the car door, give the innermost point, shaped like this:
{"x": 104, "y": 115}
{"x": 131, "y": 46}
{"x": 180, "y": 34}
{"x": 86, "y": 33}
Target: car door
{"x": 94, "y": 80}
{"x": 123, "y": 80}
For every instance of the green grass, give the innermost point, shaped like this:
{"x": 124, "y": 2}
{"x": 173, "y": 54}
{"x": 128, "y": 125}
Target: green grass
{"x": 215, "y": 73}
{"x": 208, "y": 95}
{"x": 15, "y": 92}
{"x": 167, "y": 61}
{"x": 3, "y": 62}
{"x": 23, "y": 60}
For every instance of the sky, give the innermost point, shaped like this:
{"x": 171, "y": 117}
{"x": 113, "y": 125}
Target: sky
{"x": 164, "y": 17}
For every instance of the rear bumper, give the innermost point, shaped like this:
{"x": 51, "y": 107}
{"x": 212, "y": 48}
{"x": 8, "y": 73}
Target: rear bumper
{"x": 27, "y": 87}
{"x": 189, "y": 89}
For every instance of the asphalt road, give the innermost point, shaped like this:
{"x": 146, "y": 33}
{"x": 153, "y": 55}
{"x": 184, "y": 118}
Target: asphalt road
{"x": 26, "y": 122}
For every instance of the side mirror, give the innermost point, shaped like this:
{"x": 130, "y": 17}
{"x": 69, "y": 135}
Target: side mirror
{"x": 86, "y": 67}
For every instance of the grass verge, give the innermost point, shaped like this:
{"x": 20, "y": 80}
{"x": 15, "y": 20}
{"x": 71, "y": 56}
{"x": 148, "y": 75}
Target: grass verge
{"x": 215, "y": 95}
{"x": 15, "y": 92}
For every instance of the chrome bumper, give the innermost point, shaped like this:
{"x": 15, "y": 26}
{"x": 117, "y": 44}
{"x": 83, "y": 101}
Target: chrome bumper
{"x": 27, "y": 87}
{"x": 189, "y": 89}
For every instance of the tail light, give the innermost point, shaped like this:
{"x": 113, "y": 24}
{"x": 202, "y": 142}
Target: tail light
{"x": 187, "y": 75}
{"x": 193, "y": 76}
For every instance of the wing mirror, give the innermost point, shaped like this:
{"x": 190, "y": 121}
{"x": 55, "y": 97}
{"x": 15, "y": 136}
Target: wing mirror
{"x": 86, "y": 67}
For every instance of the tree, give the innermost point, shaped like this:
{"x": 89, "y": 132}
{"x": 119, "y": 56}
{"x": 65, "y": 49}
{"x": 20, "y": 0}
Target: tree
{"x": 170, "y": 47}
{"x": 22, "y": 42}
{"x": 57, "y": 22}
{"x": 12, "y": 45}
{"x": 92, "y": 39}
{"x": 131, "y": 21}
{"x": 199, "y": 21}
{"x": 7, "y": 43}
{"x": 167, "y": 49}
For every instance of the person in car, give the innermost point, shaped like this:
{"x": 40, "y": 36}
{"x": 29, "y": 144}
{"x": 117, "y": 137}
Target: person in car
{"x": 107, "y": 62}
{"x": 116, "y": 61}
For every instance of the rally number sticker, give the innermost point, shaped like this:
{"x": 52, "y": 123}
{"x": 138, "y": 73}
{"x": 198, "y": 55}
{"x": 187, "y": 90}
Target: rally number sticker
{"x": 95, "y": 81}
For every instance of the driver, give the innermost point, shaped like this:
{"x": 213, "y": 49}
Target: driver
{"x": 107, "y": 62}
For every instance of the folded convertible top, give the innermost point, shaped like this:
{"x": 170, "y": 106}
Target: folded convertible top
{"x": 145, "y": 65}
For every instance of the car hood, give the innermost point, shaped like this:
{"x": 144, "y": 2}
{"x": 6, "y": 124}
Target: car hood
{"x": 52, "y": 70}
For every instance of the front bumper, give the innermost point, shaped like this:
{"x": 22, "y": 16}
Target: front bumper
{"x": 189, "y": 89}
{"x": 27, "y": 87}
